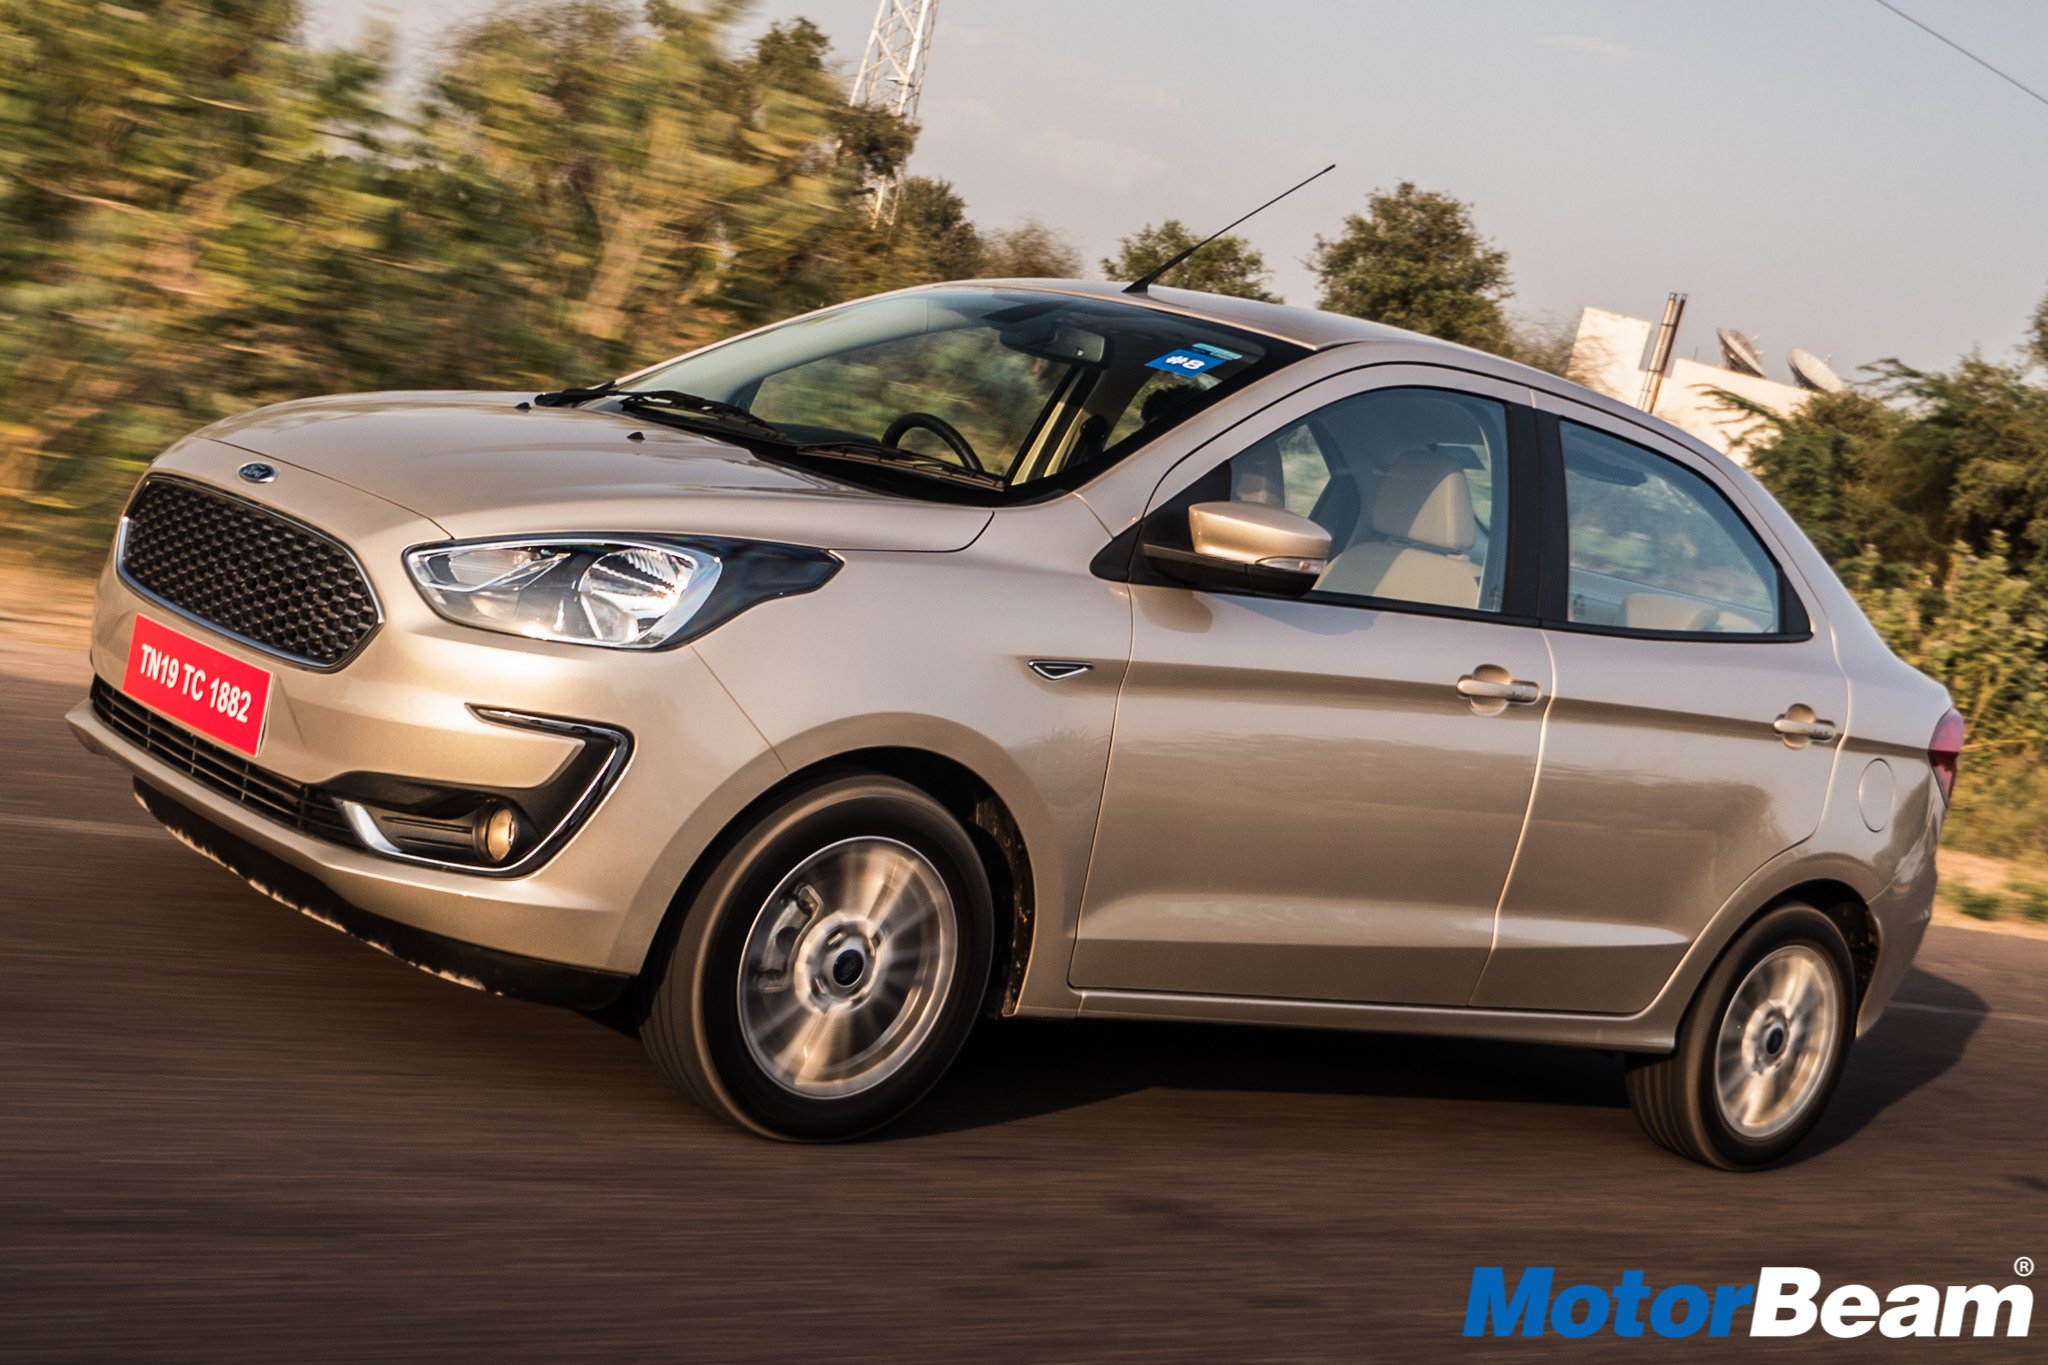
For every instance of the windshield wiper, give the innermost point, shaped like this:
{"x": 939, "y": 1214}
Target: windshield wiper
{"x": 674, "y": 400}
{"x": 678, "y": 401}
{"x": 562, "y": 398}
{"x": 911, "y": 461}
{"x": 677, "y": 404}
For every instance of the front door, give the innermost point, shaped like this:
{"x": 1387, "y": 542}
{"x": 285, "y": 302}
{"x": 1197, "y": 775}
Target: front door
{"x": 1301, "y": 802}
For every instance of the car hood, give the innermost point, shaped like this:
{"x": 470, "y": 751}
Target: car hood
{"x": 477, "y": 464}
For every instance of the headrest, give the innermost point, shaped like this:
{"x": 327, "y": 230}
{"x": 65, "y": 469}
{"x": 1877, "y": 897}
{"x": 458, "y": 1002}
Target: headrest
{"x": 1395, "y": 421}
{"x": 1424, "y": 500}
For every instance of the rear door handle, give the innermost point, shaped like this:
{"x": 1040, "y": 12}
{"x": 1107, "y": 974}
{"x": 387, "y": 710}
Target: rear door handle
{"x": 1799, "y": 727}
{"x": 1513, "y": 691}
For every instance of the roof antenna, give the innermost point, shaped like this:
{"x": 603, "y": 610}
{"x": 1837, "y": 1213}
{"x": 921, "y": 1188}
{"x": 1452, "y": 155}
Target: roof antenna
{"x": 1144, "y": 282}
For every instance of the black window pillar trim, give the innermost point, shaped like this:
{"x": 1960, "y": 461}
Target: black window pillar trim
{"x": 1553, "y": 517}
{"x": 1521, "y": 593}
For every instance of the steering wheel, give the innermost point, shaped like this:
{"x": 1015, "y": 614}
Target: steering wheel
{"x": 937, "y": 426}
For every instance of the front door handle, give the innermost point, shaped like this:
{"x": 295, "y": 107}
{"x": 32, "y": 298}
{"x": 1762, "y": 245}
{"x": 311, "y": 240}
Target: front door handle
{"x": 1492, "y": 683}
{"x": 1799, "y": 726}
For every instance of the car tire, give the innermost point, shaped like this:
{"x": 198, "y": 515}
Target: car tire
{"x": 826, "y": 972}
{"x": 1761, "y": 1049}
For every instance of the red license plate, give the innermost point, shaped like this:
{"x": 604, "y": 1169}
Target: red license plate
{"x": 214, "y": 693}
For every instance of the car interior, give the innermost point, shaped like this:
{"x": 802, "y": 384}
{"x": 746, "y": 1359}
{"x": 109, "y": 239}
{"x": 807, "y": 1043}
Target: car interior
{"x": 1404, "y": 482}
{"x": 1390, "y": 475}
{"x": 1653, "y": 549}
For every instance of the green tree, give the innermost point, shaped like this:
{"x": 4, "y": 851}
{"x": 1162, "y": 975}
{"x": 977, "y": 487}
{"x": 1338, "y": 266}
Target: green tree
{"x": 1929, "y": 492}
{"x": 634, "y": 188}
{"x": 1835, "y": 466}
{"x": 931, "y": 239}
{"x": 1228, "y": 265}
{"x": 933, "y": 229}
{"x": 170, "y": 182}
{"x": 2037, "y": 333}
{"x": 1916, "y": 462}
{"x": 1973, "y": 459}
{"x": 199, "y": 214}
{"x": 1030, "y": 250}
{"x": 1544, "y": 342}
{"x": 1415, "y": 259}
{"x": 1981, "y": 631}
{"x": 1976, "y": 627}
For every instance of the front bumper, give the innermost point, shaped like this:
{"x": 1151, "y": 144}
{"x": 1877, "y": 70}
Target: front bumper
{"x": 468, "y": 964}
{"x": 408, "y": 705}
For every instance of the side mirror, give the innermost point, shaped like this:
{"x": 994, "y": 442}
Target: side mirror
{"x": 1242, "y": 545}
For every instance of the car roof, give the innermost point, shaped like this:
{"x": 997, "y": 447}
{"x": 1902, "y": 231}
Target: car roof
{"x": 1318, "y": 330}
{"x": 1308, "y": 327}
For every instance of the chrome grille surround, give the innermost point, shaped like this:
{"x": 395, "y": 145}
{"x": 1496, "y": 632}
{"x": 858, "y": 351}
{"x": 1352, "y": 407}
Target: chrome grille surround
{"x": 246, "y": 571}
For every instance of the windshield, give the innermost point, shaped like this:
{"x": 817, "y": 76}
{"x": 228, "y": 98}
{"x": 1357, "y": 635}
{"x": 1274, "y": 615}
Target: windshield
{"x": 1024, "y": 390}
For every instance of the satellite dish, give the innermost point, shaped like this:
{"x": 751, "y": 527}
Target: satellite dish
{"x": 1813, "y": 373}
{"x": 1739, "y": 353}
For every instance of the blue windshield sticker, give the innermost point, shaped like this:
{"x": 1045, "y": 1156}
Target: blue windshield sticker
{"x": 1185, "y": 362}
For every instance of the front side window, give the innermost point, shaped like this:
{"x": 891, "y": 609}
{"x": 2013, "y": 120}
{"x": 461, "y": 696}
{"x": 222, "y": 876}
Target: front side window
{"x": 1014, "y": 387}
{"x": 1410, "y": 483}
{"x": 1654, "y": 547}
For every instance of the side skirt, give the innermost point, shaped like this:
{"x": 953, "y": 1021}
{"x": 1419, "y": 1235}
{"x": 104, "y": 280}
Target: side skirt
{"x": 1619, "y": 1033}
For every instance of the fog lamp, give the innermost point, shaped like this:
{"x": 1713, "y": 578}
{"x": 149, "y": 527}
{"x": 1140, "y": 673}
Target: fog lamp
{"x": 483, "y": 834}
{"x": 497, "y": 828}
{"x": 498, "y": 832}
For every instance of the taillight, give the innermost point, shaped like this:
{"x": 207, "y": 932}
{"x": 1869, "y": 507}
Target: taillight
{"x": 1945, "y": 749}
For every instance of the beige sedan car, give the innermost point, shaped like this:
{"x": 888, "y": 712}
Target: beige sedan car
{"x": 1040, "y": 648}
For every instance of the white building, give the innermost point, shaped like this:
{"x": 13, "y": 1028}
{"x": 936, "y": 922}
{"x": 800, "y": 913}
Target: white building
{"x": 1611, "y": 351}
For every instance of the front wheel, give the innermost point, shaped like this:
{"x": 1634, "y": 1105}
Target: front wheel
{"x": 828, "y": 971}
{"x": 1761, "y": 1048}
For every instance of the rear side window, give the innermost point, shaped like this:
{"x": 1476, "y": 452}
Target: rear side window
{"x": 1656, "y": 548}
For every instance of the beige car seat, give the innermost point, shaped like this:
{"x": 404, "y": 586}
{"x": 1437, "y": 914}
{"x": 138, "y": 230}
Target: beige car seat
{"x": 1655, "y": 611}
{"x": 1658, "y": 611}
{"x": 1422, "y": 527}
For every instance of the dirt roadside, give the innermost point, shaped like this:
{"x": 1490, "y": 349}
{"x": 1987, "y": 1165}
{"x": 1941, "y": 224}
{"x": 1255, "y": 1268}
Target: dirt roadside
{"x": 45, "y": 617}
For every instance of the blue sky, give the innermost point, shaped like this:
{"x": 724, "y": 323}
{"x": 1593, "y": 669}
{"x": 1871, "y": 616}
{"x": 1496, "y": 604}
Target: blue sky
{"x": 1817, "y": 172}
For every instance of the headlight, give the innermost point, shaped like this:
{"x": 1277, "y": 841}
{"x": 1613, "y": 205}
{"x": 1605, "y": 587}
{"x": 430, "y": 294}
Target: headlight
{"x": 616, "y": 593}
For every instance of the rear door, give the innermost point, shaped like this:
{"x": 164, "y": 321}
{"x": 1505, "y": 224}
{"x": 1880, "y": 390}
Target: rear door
{"x": 1690, "y": 739}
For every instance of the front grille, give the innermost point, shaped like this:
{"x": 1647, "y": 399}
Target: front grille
{"x": 303, "y": 808}
{"x": 249, "y": 571}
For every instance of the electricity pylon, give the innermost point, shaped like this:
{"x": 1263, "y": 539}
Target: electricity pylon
{"x": 892, "y": 74}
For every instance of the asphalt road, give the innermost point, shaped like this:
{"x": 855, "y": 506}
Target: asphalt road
{"x": 227, "y": 1133}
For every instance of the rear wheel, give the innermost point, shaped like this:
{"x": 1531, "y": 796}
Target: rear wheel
{"x": 829, "y": 969}
{"x": 1761, "y": 1049}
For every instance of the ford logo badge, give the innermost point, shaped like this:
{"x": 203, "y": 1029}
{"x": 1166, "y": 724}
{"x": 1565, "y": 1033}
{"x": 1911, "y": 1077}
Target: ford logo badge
{"x": 257, "y": 472}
